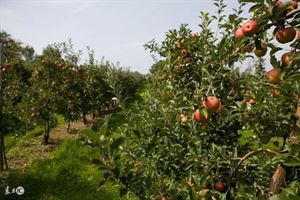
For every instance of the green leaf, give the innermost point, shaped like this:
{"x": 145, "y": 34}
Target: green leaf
{"x": 255, "y": 7}
{"x": 291, "y": 161}
{"x": 294, "y": 77}
{"x": 295, "y": 147}
{"x": 274, "y": 61}
{"x": 115, "y": 145}
{"x": 288, "y": 194}
{"x": 202, "y": 193}
{"x": 103, "y": 128}
{"x": 192, "y": 193}
{"x": 274, "y": 49}
{"x": 101, "y": 184}
{"x": 204, "y": 112}
{"x": 137, "y": 133}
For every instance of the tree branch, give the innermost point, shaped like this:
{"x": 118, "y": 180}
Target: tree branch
{"x": 293, "y": 12}
{"x": 251, "y": 153}
{"x": 211, "y": 83}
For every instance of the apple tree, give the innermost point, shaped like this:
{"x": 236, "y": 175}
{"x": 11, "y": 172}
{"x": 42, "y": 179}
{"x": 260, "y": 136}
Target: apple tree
{"x": 14, "y": 84}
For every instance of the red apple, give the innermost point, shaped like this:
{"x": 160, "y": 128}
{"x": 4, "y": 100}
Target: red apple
{"x": 219, "y": 186}
{"x": 239, "y": 34}
{"x": 298, "y": 35}
{"x": 275, "y": 92}
{"x": 260, "y": 51}
{"x": 293, "y": 4}
{"x": 287, "y": 58}
{"x": 187, "y": 60}
{"x": 211, "y": 103}
{"x": 274, "y": 75}
{"x": 178, "y": 44}
{"x": 183, "y": 118}
{"x": 285, "y": 35}
{"x": 198, "y": 116}
{"x": 250, "y": 28}
{"x": 278, "y": 3}
{"x": 252, "y": 102}
{"x": 184, "y": 51}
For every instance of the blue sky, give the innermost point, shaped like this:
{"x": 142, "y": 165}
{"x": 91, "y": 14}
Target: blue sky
{"x": 115, "y": 29}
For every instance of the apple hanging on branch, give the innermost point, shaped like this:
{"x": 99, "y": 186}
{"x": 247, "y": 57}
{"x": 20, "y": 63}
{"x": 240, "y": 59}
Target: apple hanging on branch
{"x": 219, "y": 186}
{"x": 287, "y": 58}
{"x": 250, "y": 28}
{"x": 261, "y": 50}
{"x": 201, "y": 116}
{"x": 239, "y": 34}
{"x": 274, "y": 75}
{"x": 285, "y": 35}
{"x": 211, "y": 103}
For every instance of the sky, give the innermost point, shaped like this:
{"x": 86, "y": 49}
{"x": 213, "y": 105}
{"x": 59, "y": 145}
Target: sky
{"x": 114, "y": 29}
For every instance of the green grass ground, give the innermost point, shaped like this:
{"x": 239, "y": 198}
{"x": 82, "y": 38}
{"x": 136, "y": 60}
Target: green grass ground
{"x": 67, "y": 173}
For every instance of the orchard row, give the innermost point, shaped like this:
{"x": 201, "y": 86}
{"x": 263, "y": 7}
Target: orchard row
{"x": 37, "y": 87}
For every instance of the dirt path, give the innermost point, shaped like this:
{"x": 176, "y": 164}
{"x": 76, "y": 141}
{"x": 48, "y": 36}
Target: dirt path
{"x": 23, "y": 154}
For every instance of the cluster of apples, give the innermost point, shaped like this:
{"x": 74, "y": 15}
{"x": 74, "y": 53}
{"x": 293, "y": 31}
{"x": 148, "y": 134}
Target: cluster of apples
{"x": 274, "y": 77}
{"x": 211, "y": 104}
{"x": 248, "y": 29}
{"x": 57, "y": 63}
{"x": 184, "y": 51}
{"x": 283, "y": 35}
{"x": 292, "y": 4}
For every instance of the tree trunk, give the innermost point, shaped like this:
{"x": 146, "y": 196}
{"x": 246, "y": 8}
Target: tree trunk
{"x": 84, "y": 118}
{"x": 46, "y": 138}
{"x": 46, "y": 133}
{"x": 69, "y": 126}
{"x": 1, "y": 153}
{"x": 3, "y": 161}
{"x": 277, "y": 180}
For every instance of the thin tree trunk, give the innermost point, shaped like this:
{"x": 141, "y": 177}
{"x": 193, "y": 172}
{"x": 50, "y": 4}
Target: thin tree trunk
{"x": 69, "y": 126}
{"x": 277, "y": 180}
{"x": 84, "y": 118}
{"x": 4, "y": 155}
{"x": 46, "y": 133}
{"x": 3, "y": 161}
{"x": 1, "y": 153}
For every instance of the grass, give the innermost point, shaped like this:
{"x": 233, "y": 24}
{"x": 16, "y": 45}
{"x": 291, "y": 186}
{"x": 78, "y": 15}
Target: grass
{"x": 68, "y": 172}
{"x": 11, "y": 140}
